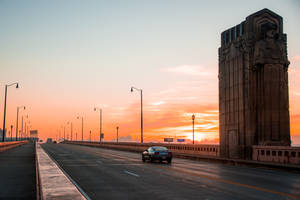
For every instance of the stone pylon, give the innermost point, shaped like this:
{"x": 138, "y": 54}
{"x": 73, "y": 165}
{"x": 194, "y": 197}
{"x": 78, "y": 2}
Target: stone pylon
{"x": 253, "y": 85}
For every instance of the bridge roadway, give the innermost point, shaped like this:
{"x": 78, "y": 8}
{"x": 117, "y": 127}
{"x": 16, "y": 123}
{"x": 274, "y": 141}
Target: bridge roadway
{"x": 17, "y": 173}
{"x": 111, "y": 174}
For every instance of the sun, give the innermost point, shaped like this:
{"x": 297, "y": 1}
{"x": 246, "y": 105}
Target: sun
{"x": 198, "y": 136}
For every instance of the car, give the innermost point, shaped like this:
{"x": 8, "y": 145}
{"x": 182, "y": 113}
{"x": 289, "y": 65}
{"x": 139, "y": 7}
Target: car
{"x": 159, "y": 153}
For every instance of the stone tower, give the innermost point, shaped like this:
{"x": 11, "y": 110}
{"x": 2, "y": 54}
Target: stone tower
{"x": 253, "y": 85}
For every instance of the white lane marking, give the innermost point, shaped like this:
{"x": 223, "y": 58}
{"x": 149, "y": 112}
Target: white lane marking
{"x": 99, "y": 161}
{"x": 132, "y": 174}
{"x": 81, "y": 165}
{"x": 135, "y": 164}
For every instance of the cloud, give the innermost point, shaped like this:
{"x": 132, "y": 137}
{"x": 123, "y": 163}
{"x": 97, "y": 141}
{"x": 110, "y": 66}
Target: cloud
{"x": 296, "y": 58}
{"x": 192, "y": 70}
{"x": 296, "y": 93}
{"x": 158, "y": 103}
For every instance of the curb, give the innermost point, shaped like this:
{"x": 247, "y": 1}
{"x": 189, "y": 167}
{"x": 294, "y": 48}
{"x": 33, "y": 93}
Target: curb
{"x": 52, "y": 181}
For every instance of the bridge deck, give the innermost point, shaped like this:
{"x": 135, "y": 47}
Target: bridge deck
{"x": 110, "y": 174}
{"x": 17, "y": 173}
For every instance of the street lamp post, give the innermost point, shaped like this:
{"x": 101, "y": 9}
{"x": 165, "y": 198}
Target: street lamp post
{"x": 17, "y": 124}
{"x": 193, "y": 118}
{"x": 81, "y": 127}
{"x": 71, "y": 129}
{"x": 11, "y": 131}
{"x": 90, "y": 136}
{"x": 117, "y": 134}
{"x": 5, "y": 98}
{"x": 28, "y": 132}
{"x": 64, "y": 133}
{"x": 142, "y": 126}
{"x": 100, "y": 128}
{"x": 22, "y": 132}
{"x": 27, "y": 129}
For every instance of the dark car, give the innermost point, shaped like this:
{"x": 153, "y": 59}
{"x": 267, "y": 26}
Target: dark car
{"x": 157, "y": 153}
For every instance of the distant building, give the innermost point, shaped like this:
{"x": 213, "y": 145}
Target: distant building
{"x": 253, "y": 86}
{"x": 1, "y": 134}
{"x": 34, "y": 135}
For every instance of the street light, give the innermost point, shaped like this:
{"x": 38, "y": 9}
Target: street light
{"x": 22, "y": 132}
{"x": 11, "y": 131}
{"x": 71, "y": 131}
{"x": 100, "y": 110}
{"x": 193, "y": 118}
{"x": 117, "y": 134}
{"x": 27, "y": 129}
{"x": 81, "y": 127}
{"x": 64, "y": 132}
{"x": 4, "y": 118}
{"x": 22, "y": 107}
{"x": 134, "y": 88}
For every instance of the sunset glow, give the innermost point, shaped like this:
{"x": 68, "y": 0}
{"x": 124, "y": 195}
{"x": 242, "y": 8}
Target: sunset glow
{"x": 90, "y": 56}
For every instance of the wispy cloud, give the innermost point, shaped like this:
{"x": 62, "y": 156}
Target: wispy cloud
{"x": 158, "y": 103}
{"x": 296, "y": 93}
{"x": 296, "y": 58}
{"x": 192, "y": 70}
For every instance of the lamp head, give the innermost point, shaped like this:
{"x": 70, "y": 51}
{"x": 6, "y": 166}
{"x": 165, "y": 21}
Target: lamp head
{"x": 131, "y": 89}
{"x": 95, "y": 109}
{"x": 193, "y": 117}
{"x": 24, "y": 107}
{"x": 17, "y": 86}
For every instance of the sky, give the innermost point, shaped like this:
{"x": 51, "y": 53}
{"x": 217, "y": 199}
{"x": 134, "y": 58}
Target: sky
{"x": 70, "y": 56}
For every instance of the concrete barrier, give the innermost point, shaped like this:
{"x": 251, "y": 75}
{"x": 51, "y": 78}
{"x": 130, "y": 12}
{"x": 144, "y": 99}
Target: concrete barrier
{"x": 190, "y": 149}
{"x": 8, "y": 145}
{"x": 187, "y": 152}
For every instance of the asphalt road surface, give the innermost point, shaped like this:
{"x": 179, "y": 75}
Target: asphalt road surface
{"x": 17, "y": 173}
{"x": 111, "y": 174}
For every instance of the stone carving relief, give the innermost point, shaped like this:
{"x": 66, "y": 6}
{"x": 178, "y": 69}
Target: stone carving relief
{"x": 270, "y": 48}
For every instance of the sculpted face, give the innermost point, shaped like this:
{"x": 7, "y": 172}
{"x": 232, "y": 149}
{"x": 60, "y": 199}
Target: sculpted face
{"x": 270, "y": 34}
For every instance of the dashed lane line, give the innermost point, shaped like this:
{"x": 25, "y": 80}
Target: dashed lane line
{"x": 132, "y": 174}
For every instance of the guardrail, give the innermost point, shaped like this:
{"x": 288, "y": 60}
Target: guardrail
{"x": 8, "y": 145}
{"x": 277, "y": 154}
{"x": 190, "y": 149}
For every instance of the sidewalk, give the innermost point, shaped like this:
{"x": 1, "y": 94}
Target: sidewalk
{"x": 54, "y": 184}
{"x": 17, "y": 173}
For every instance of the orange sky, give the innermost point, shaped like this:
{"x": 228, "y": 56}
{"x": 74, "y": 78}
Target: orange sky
{"x": 69, "y": 58}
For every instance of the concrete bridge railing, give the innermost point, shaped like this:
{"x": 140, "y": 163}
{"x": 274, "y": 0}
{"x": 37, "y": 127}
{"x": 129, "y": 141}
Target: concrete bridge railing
{"x": 8, "y": 145}
{"x": 197, "y": 149}
{"x": 277, "y": 154}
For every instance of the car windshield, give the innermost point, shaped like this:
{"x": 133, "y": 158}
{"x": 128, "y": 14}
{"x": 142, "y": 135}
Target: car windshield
{"x": 159, "y": 149}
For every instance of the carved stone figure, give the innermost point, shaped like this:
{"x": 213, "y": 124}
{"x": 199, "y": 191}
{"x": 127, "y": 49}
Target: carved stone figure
{"x": 253, "y": 85}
